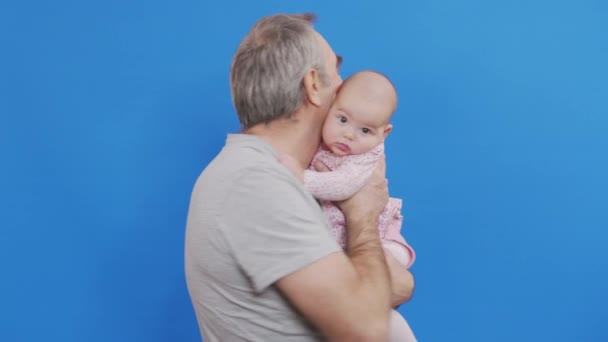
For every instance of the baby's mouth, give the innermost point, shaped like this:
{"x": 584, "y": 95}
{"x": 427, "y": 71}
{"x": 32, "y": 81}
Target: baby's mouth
{"x": 342, "y": 147}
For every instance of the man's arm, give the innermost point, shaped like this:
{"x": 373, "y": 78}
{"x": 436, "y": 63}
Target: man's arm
{"x": 348, "y": 296}
{"x": 402, "y": 281}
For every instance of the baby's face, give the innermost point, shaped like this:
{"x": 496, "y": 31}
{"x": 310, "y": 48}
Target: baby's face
{"x": 356, "y": 123}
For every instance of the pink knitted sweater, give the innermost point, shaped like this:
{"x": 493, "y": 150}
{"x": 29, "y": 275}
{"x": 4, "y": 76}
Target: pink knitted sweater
{"x": 348, "y": 175}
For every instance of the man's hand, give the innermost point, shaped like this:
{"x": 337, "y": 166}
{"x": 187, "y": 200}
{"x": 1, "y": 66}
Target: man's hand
{"x": 370, "y": 200}
{"x": 368, "y": 203}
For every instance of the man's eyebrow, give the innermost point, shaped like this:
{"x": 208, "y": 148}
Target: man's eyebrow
{"x": 338, "y": 61}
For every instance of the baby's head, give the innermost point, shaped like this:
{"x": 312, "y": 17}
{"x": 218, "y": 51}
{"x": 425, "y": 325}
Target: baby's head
{"x": 358, "y": 120}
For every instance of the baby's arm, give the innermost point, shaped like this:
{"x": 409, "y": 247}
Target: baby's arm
{"x": 339, "y": 184}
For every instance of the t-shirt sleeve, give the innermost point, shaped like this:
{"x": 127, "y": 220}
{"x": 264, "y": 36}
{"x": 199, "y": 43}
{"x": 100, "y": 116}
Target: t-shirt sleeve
{"x": 274, "y": 227}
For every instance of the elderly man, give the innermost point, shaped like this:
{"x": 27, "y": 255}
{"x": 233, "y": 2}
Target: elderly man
{"x": 261, "y": 264}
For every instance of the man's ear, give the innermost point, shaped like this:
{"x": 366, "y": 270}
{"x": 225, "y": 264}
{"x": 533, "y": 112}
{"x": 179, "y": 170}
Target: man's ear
{"x": 312, "y": 87}
{"x": 387, "y": 130}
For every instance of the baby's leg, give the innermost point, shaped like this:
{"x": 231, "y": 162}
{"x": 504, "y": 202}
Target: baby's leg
{"x": 398, "y": 251}
{"x": 399, "y": 330}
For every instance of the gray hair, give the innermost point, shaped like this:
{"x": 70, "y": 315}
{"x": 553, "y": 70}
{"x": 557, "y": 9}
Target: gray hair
{"x": 269, "y": 65}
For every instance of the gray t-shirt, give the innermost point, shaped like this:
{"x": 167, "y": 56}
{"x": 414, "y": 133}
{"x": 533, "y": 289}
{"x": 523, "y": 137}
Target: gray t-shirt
{"x": 250, "y": 223}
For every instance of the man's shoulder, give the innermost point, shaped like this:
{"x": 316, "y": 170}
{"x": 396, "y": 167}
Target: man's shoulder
{"x": 243, "y": 169}
{"x": 241, "y": 157}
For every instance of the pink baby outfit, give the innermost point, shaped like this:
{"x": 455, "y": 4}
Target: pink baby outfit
{"x": 348, "y": 175}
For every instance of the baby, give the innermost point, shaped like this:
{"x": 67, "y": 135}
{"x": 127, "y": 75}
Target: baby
{"x": 353, "y": 140}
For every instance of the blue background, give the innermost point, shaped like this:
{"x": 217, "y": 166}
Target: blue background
{"x": 110, "y": 109}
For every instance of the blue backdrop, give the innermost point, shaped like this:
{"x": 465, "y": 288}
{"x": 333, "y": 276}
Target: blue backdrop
{"x": 110, "y": 109}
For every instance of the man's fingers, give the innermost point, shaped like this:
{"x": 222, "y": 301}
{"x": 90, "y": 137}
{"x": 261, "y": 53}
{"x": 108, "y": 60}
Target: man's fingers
{"x": 321, "y": 167}
{"x": 379, "y": 176}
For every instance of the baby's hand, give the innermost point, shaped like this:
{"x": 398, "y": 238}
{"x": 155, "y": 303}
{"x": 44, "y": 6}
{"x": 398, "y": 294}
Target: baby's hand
{"x": 292, "y": 165}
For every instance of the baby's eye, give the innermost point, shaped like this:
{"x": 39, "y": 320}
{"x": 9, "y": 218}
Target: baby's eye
{"x": 365, "y": 130}
{"x": 342, "y": 118}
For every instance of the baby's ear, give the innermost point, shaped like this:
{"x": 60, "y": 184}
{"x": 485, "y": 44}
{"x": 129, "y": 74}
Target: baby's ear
{"x": 387, "y": 130}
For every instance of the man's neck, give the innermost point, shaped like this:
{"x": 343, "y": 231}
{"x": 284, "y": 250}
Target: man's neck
{"x": 290, "y": 136}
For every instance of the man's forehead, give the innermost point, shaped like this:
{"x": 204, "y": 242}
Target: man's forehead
{"x": 328, "y": 52}
{"x": 324, "y": 44}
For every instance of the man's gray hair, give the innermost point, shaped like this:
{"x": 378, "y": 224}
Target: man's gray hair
{"x": 268, "y": 68}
